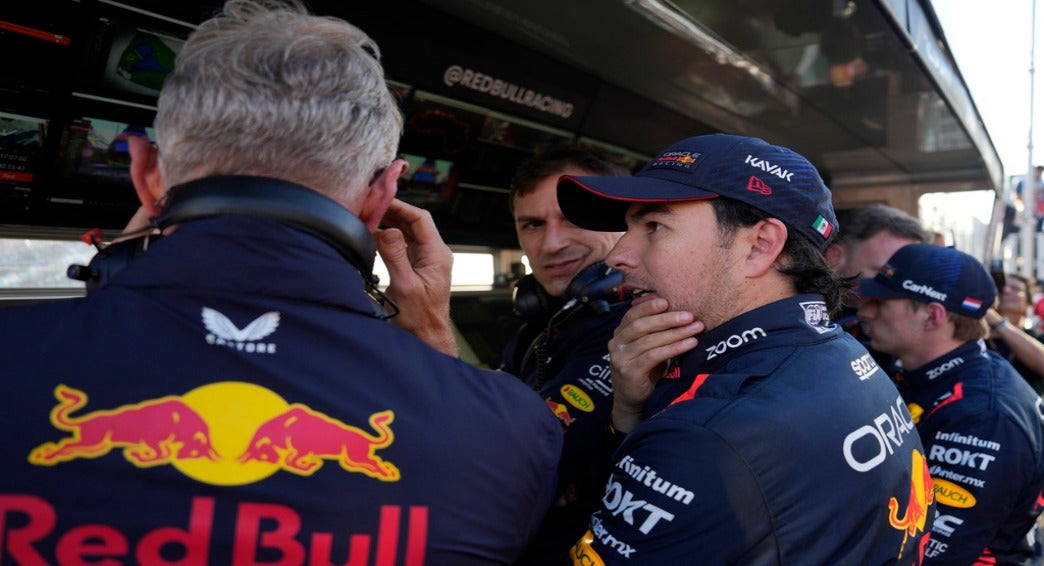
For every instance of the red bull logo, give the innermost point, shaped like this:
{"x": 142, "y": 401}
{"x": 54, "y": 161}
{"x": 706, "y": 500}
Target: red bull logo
{"x": 300, "y": 439}
{"x": 561, "y": 411}
{"x": 915, "y": 516}
{"x": 683, "y": 158}
{"x": 150, "y": 433}
{"x": 227, "y": 433}
{"x": 399, "y": 535}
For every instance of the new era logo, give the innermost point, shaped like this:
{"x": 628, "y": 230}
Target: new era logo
{"x": 758, "y": 186}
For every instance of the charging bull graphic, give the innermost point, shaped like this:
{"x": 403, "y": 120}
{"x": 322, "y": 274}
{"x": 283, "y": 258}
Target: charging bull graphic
{"x": 922, "y": 494}
{"x": 150, "y": 433}
{"x": 299, "y": 439}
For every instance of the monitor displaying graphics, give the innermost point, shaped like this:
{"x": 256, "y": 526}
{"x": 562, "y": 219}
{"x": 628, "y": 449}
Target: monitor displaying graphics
{"x": 428, "y": 181}
{"x": 96, "y": 150}
{"x": 139, "y": 59}
{"x": 21, "y": 144}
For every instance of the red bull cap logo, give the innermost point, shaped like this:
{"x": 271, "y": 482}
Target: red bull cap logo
{"x": 227, "y": 433}
{"x": 679, "y": 159}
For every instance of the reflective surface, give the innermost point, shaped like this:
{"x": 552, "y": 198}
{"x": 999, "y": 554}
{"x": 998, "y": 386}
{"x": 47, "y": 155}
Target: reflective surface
{"x": 836, "y": 80}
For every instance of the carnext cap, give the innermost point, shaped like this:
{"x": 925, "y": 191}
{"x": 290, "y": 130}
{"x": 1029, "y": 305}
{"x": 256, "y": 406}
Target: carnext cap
{"x": 773, "y": 179}
{"x": 930, "y": 273}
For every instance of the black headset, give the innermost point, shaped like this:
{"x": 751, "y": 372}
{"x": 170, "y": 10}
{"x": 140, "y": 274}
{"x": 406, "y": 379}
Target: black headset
{"x": 596, "y": 285}
{"x": 263, "y": 197}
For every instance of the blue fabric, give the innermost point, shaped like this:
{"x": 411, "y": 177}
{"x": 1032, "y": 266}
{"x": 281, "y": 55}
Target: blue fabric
{"x": 981, "y": 425}
{"x": 231, "y": 393}
{"x": 576, "y": 385}
{"x": 777, "y": 440}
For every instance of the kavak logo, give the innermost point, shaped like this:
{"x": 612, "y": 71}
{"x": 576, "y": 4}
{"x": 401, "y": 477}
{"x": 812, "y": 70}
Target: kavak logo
{"x": 222, "y": 332}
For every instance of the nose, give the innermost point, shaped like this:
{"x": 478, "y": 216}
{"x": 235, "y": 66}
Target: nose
{"x": 556, "y": 237}
{"x": 622, "y": 257}
{"x": 867, "y": 309}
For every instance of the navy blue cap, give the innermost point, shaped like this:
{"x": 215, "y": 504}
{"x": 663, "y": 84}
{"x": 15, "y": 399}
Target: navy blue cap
{"x": 773, "y": 179}
{"x": 930, "y": 273}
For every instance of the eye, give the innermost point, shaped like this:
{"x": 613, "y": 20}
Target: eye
{"x": 652, "y": 226}
{"x": 530, "y": 225}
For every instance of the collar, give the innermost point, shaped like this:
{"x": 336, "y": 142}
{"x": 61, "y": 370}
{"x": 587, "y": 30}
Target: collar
{"x": 788, "y": 322}
{"x": 249, "y": 256}
{"x": 943, "y": 369}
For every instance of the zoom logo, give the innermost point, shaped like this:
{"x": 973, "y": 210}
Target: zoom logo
{"x": 735, "y": 341}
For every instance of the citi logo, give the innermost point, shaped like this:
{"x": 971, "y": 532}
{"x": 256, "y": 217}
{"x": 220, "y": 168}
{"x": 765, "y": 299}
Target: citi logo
{"x": 943, "y": 368}
{"x": 923, "y": 290}
{"x": 735, "y": 341}
{"x": 222, "y": 332}
{"x": 769, "y": 168}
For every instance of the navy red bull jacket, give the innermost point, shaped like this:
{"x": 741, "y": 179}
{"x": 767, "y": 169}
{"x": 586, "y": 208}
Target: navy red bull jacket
{"x": 777, "y": 440}
{"x": 230, "y": 399}
{"x": 981, "y": 425}
{"x": 576, "y": 385}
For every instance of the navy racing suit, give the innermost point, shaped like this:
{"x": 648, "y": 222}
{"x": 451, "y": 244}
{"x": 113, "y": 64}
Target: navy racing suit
{"x": 981, "y": 425}
{"x": 778, "y": 440}
{"x": 230, "y": 398}
{"x": 568, "y": 365}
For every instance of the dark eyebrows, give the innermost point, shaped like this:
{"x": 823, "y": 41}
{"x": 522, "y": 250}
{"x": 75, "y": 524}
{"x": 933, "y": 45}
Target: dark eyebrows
{"x": 641, "y": 210}
{"x": 524, "y": 218}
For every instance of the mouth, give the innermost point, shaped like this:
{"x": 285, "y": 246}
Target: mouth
{"x": 560, "y": 268}
{"x": 637, "y": 292}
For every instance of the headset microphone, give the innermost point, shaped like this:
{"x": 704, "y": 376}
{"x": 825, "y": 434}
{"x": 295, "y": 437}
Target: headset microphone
{"x": 594, "y": 287}
{"x": 597, "y": 285}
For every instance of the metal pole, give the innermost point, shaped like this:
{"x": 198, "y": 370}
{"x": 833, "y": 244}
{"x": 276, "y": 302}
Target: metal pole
{"x": 1029, "y": 185}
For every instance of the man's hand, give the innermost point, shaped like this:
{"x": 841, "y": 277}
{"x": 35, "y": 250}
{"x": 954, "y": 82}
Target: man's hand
{"x": 420, "y": 266}
{"x": 648, "y": 336}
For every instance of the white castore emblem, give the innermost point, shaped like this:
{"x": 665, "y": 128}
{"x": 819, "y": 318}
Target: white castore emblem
{"x": 222, "y": 332}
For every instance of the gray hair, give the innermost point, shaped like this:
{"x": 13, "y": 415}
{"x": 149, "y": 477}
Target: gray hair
{"x": 265, "y": 88}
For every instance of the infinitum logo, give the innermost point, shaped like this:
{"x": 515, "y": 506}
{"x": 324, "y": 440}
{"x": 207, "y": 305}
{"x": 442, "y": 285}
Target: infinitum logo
{"x": 224, "y": 333}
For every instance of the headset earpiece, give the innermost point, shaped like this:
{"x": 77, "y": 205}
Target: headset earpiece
{"x": 531, "y": 302}
{"x": 596, "y": 282}
{"x": 596, "y": 285}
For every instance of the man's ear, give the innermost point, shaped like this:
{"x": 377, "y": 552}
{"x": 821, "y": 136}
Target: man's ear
{"x": 145, "y": 173}
{"x": 766, "y": 239}
{"x": 380, "y": 193}
{"x": 835, "y": 256}
{"x": 936, "y": 316}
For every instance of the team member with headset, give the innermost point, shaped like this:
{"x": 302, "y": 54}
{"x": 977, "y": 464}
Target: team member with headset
{"x": 232, "y": 395}
{"x": 570, "y": 305}
{"x": 754, "y": 429}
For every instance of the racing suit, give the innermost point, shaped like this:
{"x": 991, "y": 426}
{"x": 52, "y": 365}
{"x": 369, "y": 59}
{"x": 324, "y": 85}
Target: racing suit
{"x": 572, "y": 376}
{"x": 230, "y": 398}
{"x": 981, "y": 425}
{"x": 778, "y": 440}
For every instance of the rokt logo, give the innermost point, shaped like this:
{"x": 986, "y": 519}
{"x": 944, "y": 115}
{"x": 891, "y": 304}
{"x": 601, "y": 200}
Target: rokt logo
{"x": 226, "y": 433}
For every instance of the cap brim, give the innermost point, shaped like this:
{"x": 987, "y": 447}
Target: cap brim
{"x": 869, "y": 288}
{"x": 601, "y": 203}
